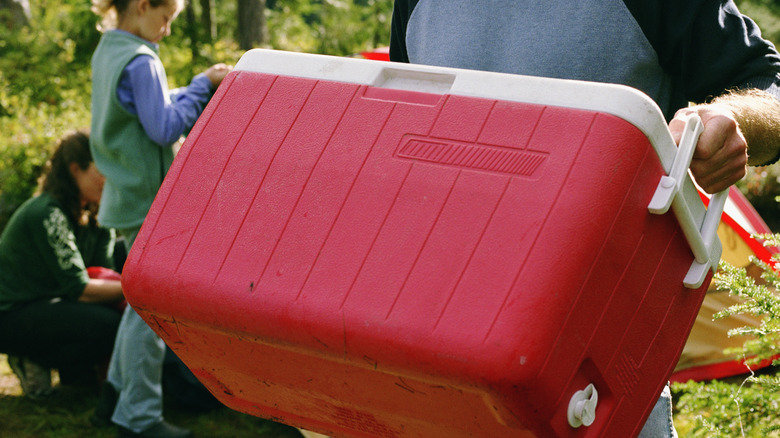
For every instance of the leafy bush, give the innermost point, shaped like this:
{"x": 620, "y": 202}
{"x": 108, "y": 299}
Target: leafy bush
{"x": 333, "y": 27}
{"x": 28, "y": 141}
{"x": 760, "y": 186}
{"x": 765, "y": 13}
{"x": 748, "y": 407}
{"x": 759, "y": 298}
{"x": 44, "y": 92}
{"x": 721, "y": 409}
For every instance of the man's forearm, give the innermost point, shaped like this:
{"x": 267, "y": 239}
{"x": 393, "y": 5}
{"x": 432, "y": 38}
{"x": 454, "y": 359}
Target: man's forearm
{"x": 758, "y": 115}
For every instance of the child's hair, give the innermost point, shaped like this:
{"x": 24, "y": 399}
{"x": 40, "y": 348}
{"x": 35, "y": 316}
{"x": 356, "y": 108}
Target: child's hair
{"x": 58, "y": 181}
{"x": 111, "y": 10}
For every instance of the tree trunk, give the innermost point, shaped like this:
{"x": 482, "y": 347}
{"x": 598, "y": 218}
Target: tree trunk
{"x": 251, "y": 23}
{"x": 208, "y": 19}
{"x": 192, "y": 30}
{"x": 14, "y": 13}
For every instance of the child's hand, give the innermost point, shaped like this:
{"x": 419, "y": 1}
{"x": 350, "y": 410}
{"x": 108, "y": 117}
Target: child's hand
{"x": 217, "y": 72}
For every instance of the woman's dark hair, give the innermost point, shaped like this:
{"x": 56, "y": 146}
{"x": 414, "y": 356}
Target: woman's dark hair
{"x": 58, "y": 181}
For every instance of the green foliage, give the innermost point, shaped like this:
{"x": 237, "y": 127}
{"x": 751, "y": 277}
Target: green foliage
{"x": 758, "y": 299}
{"x": 760, "y": 186}
{"x": 726, "y": 409}
{"x": 764, "y": 13}
{"x": 748, "y": 408}
{"x": 44, "y": 92}
{"x": 27, "y": 142}
{"x": 37, "y": 62}
{"x": 332, "y": 27}
{"x": 181, "y": 66}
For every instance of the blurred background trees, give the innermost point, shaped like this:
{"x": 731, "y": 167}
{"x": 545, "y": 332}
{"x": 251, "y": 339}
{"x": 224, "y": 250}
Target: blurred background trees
{"x": 14, "y": 13}
{"x": 46, "y": 46}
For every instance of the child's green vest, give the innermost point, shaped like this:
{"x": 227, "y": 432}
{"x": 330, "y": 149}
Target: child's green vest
{"x": 134, "y": 165}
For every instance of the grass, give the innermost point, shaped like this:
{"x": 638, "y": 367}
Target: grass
{"x": 66, "y": 415}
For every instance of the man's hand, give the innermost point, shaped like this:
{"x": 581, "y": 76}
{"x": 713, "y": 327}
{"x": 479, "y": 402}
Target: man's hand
{"x": 721, "y": 156}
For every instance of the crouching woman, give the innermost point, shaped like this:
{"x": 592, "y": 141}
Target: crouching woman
{"x": 52, "y": 315}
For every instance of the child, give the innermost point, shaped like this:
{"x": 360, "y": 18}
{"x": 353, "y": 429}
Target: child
{"x": 135, "y": 122}
{"x": 50, "y": 312}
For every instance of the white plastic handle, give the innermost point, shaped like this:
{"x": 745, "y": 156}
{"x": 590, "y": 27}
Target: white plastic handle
{"x": 703, "y": 241}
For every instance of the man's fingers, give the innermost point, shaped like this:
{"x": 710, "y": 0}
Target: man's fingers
{"x": 720, "y": 156}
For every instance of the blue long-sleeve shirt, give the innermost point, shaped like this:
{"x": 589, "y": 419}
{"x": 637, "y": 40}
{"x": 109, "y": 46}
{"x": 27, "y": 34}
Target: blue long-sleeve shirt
{"x": 164, "y": 116}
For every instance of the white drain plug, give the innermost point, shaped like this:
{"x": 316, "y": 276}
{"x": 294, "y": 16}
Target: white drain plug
{"x": 582, "y": 407}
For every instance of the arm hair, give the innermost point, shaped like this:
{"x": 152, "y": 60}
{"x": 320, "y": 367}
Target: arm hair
{"x": 758, "y": 115}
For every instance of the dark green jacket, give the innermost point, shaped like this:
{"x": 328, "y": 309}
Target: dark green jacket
{"x": 44, "y": 254}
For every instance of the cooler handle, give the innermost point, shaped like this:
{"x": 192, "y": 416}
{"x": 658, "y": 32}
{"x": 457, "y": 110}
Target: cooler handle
{"x": 703, "y": 241}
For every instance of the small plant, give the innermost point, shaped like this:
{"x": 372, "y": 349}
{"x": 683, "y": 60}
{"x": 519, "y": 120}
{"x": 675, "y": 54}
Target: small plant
{"x": 742, "y": 407}
{"x": 760, "y": 298}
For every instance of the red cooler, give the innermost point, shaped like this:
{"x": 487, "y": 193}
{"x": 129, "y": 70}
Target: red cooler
{"x": 370, "y": 249}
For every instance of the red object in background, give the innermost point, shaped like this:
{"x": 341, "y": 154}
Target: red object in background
{"x": 367, "y": 260}
{"x": 107, "y": 274}
{"x": 740, "y": 217}
{"x": 103, "y": 273}
{"x": 378, "y": 54}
